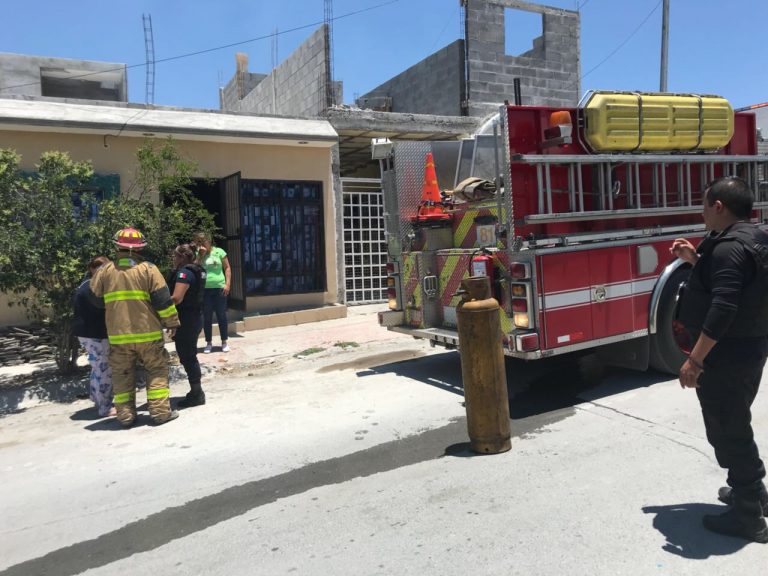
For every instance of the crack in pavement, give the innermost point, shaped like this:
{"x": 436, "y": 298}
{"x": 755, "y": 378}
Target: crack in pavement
{"x": 654, "y": 424}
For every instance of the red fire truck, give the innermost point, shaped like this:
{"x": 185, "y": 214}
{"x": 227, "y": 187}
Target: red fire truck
{"x": 575, "y": 239}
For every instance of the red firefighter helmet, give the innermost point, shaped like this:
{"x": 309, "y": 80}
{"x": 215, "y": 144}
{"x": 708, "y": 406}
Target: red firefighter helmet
{"x": 129, "y": 238}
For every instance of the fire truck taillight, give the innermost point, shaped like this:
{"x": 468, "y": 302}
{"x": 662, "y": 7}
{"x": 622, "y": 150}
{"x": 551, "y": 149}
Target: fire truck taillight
{"x": 527, "y": 342}
{"x": 392, "y": 285}
{"x": 522, "y": 320}
{"x": 520, "y": 313}
{"x": 521, "y": 304}
{"x": 391, "y": 293}
{"x": 520, "y": 270}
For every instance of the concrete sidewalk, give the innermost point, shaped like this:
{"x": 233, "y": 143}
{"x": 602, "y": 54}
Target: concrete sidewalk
{"x": 360, "y": 326}
{"x": 28, "y": 385}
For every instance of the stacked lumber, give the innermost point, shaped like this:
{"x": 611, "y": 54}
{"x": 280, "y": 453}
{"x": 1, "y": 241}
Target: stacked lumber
{"x": 30, "y": 344}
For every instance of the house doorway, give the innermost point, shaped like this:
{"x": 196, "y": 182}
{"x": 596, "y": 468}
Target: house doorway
{"x": 221, "y": 197}
{"x": 208, "y": 191}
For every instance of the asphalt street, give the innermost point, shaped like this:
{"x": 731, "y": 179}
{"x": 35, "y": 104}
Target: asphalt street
{"x": 354, "y": 459}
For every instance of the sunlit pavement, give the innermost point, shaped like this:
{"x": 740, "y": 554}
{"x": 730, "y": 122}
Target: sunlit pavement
{"x": 354, "y": 460}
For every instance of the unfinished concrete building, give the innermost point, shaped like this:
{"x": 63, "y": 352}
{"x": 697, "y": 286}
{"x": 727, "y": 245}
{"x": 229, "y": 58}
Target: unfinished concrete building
{"x": 62, "y": 78}
{"x": 301, "y": 86}
{"x": 473, "y": 75}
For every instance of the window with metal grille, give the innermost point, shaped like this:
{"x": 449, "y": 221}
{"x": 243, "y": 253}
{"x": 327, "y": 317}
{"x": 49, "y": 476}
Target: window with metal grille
{"x": 87, "y": 196}
{"x": 365, "y": 248}
{"x": 100, "y": 187}
{"x": 283, "y": 236}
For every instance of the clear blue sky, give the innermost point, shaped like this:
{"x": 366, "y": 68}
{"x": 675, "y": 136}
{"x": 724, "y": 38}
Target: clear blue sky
{"x": 716, "y": 47}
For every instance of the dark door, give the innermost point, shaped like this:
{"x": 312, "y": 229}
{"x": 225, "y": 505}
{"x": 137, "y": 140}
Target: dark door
{"x": 233, "y": 239}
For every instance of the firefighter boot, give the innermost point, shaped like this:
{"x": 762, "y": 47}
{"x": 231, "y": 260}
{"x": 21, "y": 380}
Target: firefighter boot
{"x": 172, "y": 415}
{"x": 121, "y": 360}
{"x": 744, "y": 520}
{"x": 725, "y": 495}
{"x": 155, "y": 360}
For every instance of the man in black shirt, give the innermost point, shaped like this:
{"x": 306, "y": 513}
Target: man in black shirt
{"x": 725, "y": 307}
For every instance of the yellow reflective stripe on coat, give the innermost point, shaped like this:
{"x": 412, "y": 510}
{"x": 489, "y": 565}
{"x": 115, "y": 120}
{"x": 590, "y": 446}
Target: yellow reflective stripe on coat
{"x": 135, "y": 338}
{"x": 167, "y": 312}
{"x": 124, "y": 397}
{"x": 158, "y": 393}
{"x": 126, "y": 295}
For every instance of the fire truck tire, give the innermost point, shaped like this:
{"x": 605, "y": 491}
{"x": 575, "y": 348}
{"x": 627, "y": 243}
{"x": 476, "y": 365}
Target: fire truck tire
{"x": 665, "y": 355}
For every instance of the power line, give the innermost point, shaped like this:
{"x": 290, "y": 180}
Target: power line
{"x": 214, "y": 49}
{"x": 440, "y": 34}
{"x": 620, "y": 46}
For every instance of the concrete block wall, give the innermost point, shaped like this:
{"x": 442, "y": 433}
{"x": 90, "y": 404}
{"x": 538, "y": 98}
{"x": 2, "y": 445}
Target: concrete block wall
{"x": 433, "y": 86}
{"x": 229, "y": 97}
{"x": 549, "y": 72}
{"x": 295, "y": 88}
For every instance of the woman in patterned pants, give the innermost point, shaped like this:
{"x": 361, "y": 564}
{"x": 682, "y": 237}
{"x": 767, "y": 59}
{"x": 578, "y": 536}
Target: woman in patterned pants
{"x": 91, "y": 331}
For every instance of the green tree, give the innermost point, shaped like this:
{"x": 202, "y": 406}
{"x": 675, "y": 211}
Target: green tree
{"x": 46, "y": 240}
{"x": 50, "y": 230}
{"x": 158, "y": 202}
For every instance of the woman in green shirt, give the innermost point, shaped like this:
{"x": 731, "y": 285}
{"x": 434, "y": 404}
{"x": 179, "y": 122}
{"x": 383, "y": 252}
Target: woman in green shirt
{"x": 217, "y": 283}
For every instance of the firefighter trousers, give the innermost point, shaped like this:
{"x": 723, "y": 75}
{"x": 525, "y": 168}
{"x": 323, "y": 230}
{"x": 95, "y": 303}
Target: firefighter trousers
{"x": 154, "y": 357}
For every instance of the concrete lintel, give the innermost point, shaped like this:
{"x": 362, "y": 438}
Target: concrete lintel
{"x": 353, "y": 119}
{"x": 528, "y": 7}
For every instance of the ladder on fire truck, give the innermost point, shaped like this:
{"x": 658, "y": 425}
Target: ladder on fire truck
{"x": 660, "y": 199}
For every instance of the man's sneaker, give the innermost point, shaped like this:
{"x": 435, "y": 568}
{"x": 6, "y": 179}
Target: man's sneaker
{"x": 735, "y": 523}
{"x": 208, "y": 348}
{"x": 191, "y": 400}
{"x": 725, "y": 495}
{"x": 224, "y": 347}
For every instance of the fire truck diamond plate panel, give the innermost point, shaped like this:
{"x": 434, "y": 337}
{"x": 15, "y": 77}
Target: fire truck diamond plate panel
{"x": 409, "y": 181}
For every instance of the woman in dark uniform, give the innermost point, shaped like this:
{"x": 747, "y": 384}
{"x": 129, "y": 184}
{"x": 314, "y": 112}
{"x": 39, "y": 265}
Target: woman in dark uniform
{"x": 187, "y": 282}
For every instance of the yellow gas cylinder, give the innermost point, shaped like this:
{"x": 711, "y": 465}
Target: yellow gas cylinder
{"x": 482, "y": 367}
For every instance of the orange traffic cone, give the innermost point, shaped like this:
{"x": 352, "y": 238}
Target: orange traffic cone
{"x": 430, "y": 210}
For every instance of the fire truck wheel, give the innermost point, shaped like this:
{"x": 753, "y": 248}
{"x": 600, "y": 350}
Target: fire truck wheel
{"x": 665, "y": 355}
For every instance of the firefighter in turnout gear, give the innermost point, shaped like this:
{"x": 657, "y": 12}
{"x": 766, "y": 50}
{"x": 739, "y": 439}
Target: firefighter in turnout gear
{"x": 138, "y": 306}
